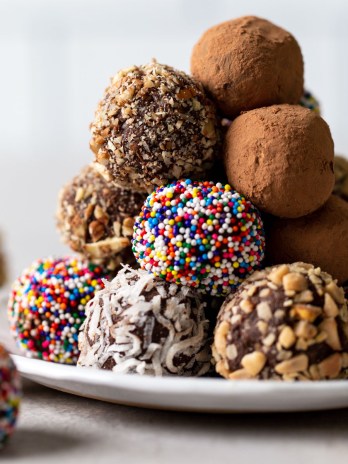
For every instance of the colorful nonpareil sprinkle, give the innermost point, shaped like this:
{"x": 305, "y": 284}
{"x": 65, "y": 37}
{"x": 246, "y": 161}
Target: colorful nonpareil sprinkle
{"x": 199, "y": 234}
{"x": 309, "y": 101}
{"x": 10, "y": 393}
{"x": 47, "y": 307}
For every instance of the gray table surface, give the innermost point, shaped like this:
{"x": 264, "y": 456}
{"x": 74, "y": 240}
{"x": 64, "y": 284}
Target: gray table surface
{"x": 59, "y": 428}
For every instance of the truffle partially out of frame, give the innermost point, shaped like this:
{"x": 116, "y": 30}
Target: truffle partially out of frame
{"x": 10, "y": 395}
{"x": 341, "y": 177}
{"x": 321, "y": 238}
{"x": 287, "y": 322}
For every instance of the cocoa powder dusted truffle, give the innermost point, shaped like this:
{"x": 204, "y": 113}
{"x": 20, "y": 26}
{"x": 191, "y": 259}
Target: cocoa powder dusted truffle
{"x": 248, "y": 63}
{"x": 154, "y": 124}
{"x": 320, "y": 238}
{"x": 341, "y": 177}
{"x": 289, "y": 322}
{"x": 96, "y": 218}
{"x": 142, "y": 325}
{"x": 281, "y": 159}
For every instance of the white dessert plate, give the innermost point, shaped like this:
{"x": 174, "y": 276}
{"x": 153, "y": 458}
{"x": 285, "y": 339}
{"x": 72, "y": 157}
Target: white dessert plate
{"x": 173, "y": 393}
{"x": 189, "y": 394}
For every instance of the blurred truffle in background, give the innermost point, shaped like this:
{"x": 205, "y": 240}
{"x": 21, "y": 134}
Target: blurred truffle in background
{"x": 341, "y": 177}
{"x": 3, "y": 271}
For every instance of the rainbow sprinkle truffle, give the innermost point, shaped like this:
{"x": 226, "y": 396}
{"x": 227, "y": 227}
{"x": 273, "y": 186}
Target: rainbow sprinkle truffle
{"x": 10, "y": 393}
{"x": 47, "y": 307}
{"x": 199, "y": 234}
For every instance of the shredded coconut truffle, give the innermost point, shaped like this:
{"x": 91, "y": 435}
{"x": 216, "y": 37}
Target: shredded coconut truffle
{"x": 96, "y": 219}
{"x": 154, "y": 124}
{"x": 138, "y": 324}
{"x": 287, "y": 322}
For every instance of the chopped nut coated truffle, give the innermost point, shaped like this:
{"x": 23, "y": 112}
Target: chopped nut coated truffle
{"x": 154, "y": 124}
{"x": 288, "y": 322}
{"x": 96, "y": 219}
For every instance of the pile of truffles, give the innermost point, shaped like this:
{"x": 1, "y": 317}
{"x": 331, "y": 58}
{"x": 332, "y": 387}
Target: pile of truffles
{"x": 216, "y": 191}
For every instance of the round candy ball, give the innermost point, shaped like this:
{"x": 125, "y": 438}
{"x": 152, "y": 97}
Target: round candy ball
{"x": 96, "y": 218}
{"x": 47, "y": 307}
{"x": 248, "y": 63}
{"x": 143, "y": 325}
{"x": 309, "y": 101}
{"x": 154, "y": 124}
{"x": 341, "y": 177}
{"x": 320, "y": 238}
{"x": 281, "y": 159}
{"x": 10, "y": 394}
{"x": 289, "y": 322}
{"x": 199, "y": 234}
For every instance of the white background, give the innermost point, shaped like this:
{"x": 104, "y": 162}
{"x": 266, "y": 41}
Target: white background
{"x": 57, "y": 57}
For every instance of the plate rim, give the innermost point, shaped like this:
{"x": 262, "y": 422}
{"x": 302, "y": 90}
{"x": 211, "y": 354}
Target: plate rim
{"x": 26, "y": 366}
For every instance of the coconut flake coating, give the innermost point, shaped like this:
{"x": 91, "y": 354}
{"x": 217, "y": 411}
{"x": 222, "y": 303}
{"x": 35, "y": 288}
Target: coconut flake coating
{"x": 47, "y": 306}
{"x": 10, "y": 394}
{"x": 200, "y": 234}
{"x": 96, "y": 218}
{"x": 154, "y": 124}
{"x": 139, "y": 324}
{"x": 287, "y": 322}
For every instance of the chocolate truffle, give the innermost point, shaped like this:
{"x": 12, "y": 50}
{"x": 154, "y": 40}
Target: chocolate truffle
{"x": 320, "y": 238}
{"x": 341, "y": 177}
{"x": 10, "y": 394}
{"x": 248, "y": 63}
{"x": 142, "y": 325}
{"x": 309, "y": 101}
{"x": 154, "y": 124}
{"x": 199, "y": 234}
{"x": 281, "y": 159}
{"x": 47, "y": 307}
{"x": 289, "y": 322}
{"x": 96, "y": 218}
